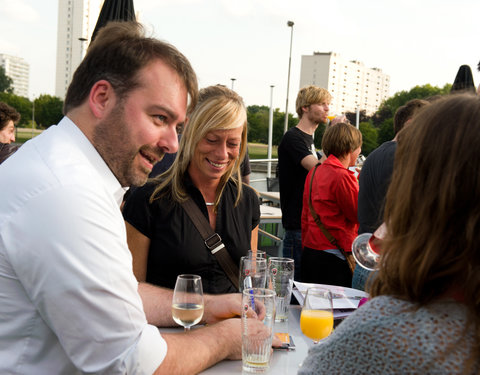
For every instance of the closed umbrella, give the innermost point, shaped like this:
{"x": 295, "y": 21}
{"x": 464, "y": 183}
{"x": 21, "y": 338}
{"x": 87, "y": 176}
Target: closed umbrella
{"x": 464, "y": 80}
{"x": 114, "y": 10}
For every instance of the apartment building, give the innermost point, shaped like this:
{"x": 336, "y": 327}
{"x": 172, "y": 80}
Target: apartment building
{"x": 19, "y": 71}
{"x": 351, "y": 84}
{"x": 76, "y": 22}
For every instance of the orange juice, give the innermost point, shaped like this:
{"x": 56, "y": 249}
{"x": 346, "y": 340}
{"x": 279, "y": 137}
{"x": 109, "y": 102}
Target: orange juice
{"x": 316, "y": 324}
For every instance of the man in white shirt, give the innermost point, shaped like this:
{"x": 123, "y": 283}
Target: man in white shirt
{"x": 69, "y": 302}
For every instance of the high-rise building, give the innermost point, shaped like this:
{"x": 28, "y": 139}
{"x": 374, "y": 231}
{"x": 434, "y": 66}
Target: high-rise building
{"x": 351, "y": 84}
{"x": 19, "y": 71}
{"x": 76, "y": 22}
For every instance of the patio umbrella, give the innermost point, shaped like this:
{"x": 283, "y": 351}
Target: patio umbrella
{"x": 114, "y": 10}
{"x": 463, "y": 81}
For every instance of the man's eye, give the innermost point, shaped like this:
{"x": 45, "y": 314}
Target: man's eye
{"x": 161, "y": 118}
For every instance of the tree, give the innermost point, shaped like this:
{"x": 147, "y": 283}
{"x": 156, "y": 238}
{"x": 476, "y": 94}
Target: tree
{"x": 21, "y": 104}
{"x": 370, "y": 137}
{"x": 5, "y": 82}
{"x": 48, "y": 110}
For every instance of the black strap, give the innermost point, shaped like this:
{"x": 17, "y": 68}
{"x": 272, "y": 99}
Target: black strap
{"x": 319, "y": 223}
{"x": 212, "y": 240}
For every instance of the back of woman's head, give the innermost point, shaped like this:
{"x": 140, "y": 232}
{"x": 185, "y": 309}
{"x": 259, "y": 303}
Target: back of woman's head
{"x": 340, "y": 139}
{"x": 433, "y": 207}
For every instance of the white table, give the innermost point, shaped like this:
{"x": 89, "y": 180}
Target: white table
{"x": 270, "y": 214}
{"x": 282, "y": 362}
{"x": 273, "y": 196}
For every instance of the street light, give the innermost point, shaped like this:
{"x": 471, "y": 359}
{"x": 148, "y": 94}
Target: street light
{"x": 270, "y": 133}
{"x": 233, "y": 80}
{"x": 289, "y": 24}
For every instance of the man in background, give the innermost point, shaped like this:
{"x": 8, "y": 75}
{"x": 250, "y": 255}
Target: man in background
{"x": 296, "y": 156}
{"x": 374, "y": 180}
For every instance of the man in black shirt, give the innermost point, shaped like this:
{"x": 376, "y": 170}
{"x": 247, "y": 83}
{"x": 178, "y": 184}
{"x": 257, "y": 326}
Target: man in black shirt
{"x": 296, "y": 156}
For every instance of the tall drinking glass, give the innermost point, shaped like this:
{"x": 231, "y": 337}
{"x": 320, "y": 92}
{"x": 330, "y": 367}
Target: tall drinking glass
{"x": 187, "y": 303}
{"x": 316, "y": 319}
{"x": 253, "y": 272}
{"x": 280, "y": 276}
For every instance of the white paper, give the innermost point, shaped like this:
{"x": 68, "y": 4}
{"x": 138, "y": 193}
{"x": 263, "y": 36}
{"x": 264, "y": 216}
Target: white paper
{"x": 342, "y": 297}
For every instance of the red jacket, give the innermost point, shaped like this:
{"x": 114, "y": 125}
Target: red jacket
{"x": 334, "y": 198}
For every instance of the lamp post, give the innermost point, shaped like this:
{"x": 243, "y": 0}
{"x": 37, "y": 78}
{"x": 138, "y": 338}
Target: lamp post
{"x": 289, "y": 24}
{"x": 33, "y": 114}
{"x": 270, "y": 133}
{"x": 233, "y": 81}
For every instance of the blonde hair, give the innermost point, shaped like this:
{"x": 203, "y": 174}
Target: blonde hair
{"x": 218, "y": 108}
{"x": 309, "y": 95}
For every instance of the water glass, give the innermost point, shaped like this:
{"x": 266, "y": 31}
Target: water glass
{"x": 280, "y": 276}
{"x": 257, "y": 329}
{"x": 253, "y": 272}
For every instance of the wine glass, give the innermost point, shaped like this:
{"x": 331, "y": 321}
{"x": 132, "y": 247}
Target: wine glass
{"x": 366, "y": 248}
{"x": 187, "y": 303}
{"x": 316, "y": 319}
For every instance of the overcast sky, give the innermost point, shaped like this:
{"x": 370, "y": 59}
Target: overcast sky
{"x": 415, "y": 41}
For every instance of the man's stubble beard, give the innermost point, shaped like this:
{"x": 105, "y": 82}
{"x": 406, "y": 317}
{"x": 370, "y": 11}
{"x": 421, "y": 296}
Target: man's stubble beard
{"x": 112, "y": 140}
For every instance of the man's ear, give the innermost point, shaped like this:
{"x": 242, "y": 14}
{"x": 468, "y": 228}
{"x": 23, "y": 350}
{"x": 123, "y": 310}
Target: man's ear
{"x": 101, "y": 99}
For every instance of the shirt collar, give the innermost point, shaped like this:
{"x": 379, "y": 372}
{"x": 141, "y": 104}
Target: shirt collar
{"x": 110, "y": 181}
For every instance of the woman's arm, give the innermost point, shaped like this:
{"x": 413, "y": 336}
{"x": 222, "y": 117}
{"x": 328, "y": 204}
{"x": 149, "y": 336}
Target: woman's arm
{"x": 139, "y": 245}
{"x": 254, "y": 239}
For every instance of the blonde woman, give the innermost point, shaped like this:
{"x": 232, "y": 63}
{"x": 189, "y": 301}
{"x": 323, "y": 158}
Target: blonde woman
{"x": 163, "y": 240}
{"x": 424, "y": 317}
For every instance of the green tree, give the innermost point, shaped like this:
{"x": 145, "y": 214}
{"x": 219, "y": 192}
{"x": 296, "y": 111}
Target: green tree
{"x": 48, "y": 110}
{"x": 5, "y": 81}
{"x": 370, "y": 137}
{"x": 21, "y": 104}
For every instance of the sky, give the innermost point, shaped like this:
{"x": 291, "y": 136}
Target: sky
{"x": 415, "y": 42}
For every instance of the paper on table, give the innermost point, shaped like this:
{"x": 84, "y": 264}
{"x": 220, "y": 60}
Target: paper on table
{"x": 342, "y": 297}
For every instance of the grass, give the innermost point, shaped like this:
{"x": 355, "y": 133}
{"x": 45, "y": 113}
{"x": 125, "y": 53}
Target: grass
{"x": 260, "y": 151}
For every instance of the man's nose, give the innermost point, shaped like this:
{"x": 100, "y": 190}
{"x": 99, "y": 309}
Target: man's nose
{"x": 168, "y": 141}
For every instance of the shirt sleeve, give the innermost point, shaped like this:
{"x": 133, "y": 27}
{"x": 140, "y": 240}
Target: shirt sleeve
{"x": 297, "y": 148}
{"x": 77, "y": 271}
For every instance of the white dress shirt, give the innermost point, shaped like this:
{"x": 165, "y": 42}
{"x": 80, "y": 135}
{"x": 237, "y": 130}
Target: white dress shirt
{"x": 68, "y": 297}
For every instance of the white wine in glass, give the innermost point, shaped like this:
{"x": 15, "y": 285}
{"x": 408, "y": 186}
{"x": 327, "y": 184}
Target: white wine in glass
{"x": 316, "y": 319}
{"x": 187, "y": 303}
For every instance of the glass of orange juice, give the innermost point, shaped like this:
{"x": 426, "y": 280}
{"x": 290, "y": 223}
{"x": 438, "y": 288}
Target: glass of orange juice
{"x": 316, "y": 319}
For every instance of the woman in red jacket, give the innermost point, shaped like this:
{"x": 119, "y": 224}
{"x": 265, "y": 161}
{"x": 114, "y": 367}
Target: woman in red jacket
{"x": 334, "y": 199}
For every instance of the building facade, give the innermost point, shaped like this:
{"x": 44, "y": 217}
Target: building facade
{"x": 76, "y": 22}
{"x": 19, "y": 71}
{"x": 351, "y": 84}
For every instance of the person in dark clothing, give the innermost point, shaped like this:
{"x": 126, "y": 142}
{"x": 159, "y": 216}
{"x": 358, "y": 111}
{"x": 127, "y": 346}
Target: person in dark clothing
{"x": 163, "y": 240}
{"x": 374, "y": 180}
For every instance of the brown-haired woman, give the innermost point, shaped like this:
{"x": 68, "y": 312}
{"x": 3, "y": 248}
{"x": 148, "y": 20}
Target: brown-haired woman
{"x": 425, "y": 314}
{"x": 334, "y": 195}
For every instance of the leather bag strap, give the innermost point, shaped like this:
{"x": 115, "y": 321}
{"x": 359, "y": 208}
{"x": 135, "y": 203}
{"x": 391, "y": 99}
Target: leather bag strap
{"x": 319, "y": 223}
{"x": 212, "y": 240}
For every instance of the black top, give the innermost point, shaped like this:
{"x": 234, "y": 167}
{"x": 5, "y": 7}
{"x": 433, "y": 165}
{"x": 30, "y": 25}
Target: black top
{"x": 177, "y": 247}
{"x": 374, "y": 180}
{"x": 294, "y": 146}
{"x": 7, "y": 149}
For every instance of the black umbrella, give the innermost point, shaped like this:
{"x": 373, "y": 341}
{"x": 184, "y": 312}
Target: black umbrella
{"x": 464, "y": 80}
{"x": 114, "y": 10}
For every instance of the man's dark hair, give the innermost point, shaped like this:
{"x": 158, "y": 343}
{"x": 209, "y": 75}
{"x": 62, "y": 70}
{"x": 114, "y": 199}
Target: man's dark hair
{"x": 120, "y": 50}
{"x": 8, "y": 113}
{"x": 406, "y": 112}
